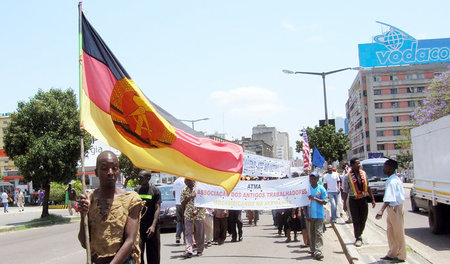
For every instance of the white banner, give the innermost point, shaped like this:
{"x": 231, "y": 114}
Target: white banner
{"x": 256, "y": 165}
{"x": 255, "y": 195}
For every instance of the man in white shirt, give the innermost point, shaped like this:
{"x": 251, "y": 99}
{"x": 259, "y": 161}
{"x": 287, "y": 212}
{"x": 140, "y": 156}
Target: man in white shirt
{"x": 5, "y": 201}
{"x": 394, "y": 196}
{"x": 332, "y": 184}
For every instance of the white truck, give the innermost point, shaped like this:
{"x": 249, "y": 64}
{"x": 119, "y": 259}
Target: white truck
{"x": 431, "y": 155}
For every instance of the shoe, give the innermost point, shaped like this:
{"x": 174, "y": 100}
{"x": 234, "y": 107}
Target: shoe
{"x": 349, "y": 221}
{"x": 240, "y": 238}
{"x": 187, "y": 255}
{"x": 396, "y": 260}
{"x": 387, "y": 258}
{"x": 318, "y": 256}
{"x": 295, "y": 240}
{"x": 199, "y": 254}
{"x": 233, "y": 240}
{"x": 304, "y": 246}
{"x": 177, "y": 241}
{"x": 279, "y": 232}
{"x": 358, "y": 243}
{"x": 288, "y": 240}
{"x": 208, "y": 244}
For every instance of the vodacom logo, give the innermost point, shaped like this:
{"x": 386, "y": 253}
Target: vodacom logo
{"x": 403, "y": 48}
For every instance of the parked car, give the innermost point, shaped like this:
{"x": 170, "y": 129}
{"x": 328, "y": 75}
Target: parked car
{"x": 417, "y": 202}
{"x": 168, "y": 211}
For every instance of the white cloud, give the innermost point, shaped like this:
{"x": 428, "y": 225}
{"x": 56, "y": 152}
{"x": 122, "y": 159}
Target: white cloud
{"x": 249, "y": 101}
{"x": 288, "y": 26}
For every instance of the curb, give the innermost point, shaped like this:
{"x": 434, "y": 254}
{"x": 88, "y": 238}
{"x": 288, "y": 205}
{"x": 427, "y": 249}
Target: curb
{"x": 350, "y": 251}
{"x": 4, "y": 229}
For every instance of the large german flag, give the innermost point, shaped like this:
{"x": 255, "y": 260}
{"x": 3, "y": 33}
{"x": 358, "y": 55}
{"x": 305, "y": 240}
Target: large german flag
{"x": 115, "y": 111}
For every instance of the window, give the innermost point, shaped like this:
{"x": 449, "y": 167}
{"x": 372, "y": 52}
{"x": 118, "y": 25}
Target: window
{"x": 368, "y": 147}
{"x": 5, "y": 122}
{"x": 410, "y": 77}
{"x": 420, "y": 76}
{"x": 365, "y": 93}
{"x": 380, "y": 147}
{"x": 395, "y": 119}
{"x": 420, "y": 89}
{"x": 394, "y": 91}
{"x": 380, "y": 133}
{"x": 411, "y": 104}
{"x": 396, "y": 132}
{"x": 410, "y": 90}
{"x": 393, "y": 77}
{"x": 394, "y": 105}
{"x": 377, "y": 78}
{"x": 378, "y": 105}
{"x": 376, "y": 92}
{"x": 379, "y": 119}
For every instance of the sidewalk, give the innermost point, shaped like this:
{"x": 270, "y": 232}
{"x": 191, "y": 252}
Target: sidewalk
{"x": 374, "y": 246}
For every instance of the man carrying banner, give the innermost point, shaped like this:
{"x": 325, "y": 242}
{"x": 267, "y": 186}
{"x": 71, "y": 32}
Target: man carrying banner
{"x": 194, "y": 220}
{"x": 316, "y": 214}
{"x": 356, "y": 188}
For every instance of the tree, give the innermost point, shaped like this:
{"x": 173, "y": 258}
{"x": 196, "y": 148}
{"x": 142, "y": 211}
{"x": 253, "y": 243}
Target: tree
{"x": 437, "y": 100}
{"x": 43, "y": 139}
{"x": 127, "y": 168}
{"x": 332, "y": 145}
{"x": 405, "y": 159}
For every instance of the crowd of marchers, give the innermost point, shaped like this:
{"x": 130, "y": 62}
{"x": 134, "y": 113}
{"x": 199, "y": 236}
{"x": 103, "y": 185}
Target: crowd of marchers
{"x": 123, "y": 225}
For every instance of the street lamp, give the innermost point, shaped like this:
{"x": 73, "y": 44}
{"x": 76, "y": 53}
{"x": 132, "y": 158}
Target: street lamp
{"x": 196, "y": 120}
{"x": 323, "y": 74}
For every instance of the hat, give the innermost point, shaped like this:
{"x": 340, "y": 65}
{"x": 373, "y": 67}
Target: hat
{"x": 315, "y": 174}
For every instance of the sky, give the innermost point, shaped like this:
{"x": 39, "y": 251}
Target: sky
{"x": 221, "y": 60}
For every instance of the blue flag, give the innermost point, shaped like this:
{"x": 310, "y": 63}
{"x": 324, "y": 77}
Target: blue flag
{"x": 317, "y": 159}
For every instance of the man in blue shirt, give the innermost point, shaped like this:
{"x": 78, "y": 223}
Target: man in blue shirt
{"x": 394, "y": 196}
{"x": 315, "y": 215}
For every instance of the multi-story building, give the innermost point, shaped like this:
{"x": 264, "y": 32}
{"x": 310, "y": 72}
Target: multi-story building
{"x": 258, "y": 147}
{"x": 380, "y": 104}
{"x": 396, "y": 69}
{"x": 278, "y": 140}
{"x": 6, "y": 164}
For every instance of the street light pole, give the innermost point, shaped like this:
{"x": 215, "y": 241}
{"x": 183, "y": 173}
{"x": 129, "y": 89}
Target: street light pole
{"x": 193, "y": 121}
{"x": 323, "y": 74}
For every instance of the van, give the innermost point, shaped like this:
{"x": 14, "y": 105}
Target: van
{"x": 375, "y": 176}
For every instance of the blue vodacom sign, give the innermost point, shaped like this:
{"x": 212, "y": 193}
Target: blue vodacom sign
{"x": 396, "y": 47}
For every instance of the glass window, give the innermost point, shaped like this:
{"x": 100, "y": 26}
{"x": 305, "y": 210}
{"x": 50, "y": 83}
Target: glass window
{"x": 380, "y": 133}
{"x": 378, "y": 105}
{"x": 377, "y": 78}
{"x": 420, "y": 76}
{"x": 411, "y": 104}
{"x": 396, "y": 132}
{"x": 379, "y": 147}
{"x": 377, "y": 92}
{"x": 395, "y": 119}
{"x": 394, "y": 91}
{"x": 374, "y": 170}
{"x": 393, "y": 77}
{"x": 410, "y": 90}
{"x": 379, "y": 119}
{"x": 394, "y": 105}
{"x": 420, "y": 89}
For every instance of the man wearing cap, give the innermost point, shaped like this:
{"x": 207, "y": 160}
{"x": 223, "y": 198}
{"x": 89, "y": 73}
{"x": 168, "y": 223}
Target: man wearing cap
{"x": 317, "y": 198}
{"x": 394, "y": 196}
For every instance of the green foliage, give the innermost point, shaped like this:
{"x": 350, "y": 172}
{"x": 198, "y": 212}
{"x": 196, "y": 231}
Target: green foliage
{"x": 128, "y": 169}
{"x": 332, "y": 145}
{"x": 57, "y": 192}
{"x": 43, "y": 139}
{"x": 405, "y": 160}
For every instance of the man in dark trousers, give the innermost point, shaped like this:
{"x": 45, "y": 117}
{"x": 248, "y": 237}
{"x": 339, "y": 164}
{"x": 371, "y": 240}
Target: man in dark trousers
{"x": 356, "y": 188}
{"x": 235, "y": 220}
{"x": 149, "y": 228}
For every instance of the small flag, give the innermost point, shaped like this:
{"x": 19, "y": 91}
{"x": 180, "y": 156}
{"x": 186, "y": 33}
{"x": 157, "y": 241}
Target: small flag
{"x": 115, "y": 111}
{"x": 306, "y": 152}
{"x": 318, "y": 160}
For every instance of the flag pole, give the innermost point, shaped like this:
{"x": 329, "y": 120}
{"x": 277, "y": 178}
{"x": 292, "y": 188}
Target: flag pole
{"x": 83, "y": 171}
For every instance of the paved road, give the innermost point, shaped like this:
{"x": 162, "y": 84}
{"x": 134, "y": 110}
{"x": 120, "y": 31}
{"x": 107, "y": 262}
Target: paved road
{"x": 261, "y": 244}
{"x": 435, "y": 248}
